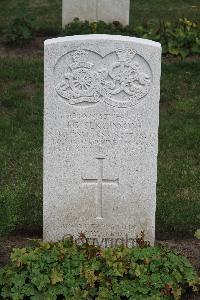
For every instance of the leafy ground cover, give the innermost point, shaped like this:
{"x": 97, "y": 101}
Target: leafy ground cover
{"x": 21, "y": 127}
{"x": 71, "y": 270}
{"x": 187, "y": 247}
{"x": 179, "y": 39}
{"x": 48, "y": 12}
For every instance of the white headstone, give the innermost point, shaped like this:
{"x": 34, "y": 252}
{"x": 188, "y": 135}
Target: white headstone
{"x": 101, "y": 137}
{"x": 95, "y": 10}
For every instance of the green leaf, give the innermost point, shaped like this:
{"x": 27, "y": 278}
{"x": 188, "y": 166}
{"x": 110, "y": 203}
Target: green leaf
{"x": 197, "y": 233}
{"x": 56, "y": 276}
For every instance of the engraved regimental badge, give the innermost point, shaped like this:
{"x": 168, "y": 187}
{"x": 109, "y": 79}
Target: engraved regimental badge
{"x": 121, "y": 78}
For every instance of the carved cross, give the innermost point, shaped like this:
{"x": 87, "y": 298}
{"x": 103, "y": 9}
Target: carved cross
{"x": 99, "y": 191}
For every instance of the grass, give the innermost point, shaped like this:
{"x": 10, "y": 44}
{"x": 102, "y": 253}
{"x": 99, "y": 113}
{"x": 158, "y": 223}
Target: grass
{"x": 48, "y": 12}
{"x": 154, "y": 10}
{"x": 21, "y": 122}
{"x": 21, "y": 127}
{"x": 178, "y": 209}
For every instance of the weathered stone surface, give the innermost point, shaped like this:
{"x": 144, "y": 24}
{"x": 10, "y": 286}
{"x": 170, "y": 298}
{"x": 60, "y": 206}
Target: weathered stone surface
{"x": 100, "y": 137}
{"x": 113, "y": 10}
{"x": 82, "y": 9}
{"x": 94, "y": 10}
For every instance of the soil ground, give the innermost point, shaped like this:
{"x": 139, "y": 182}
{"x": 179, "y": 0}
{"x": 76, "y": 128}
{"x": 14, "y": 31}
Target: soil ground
{"x": 35, "y": 48}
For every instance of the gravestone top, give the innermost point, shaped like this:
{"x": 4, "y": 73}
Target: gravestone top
{"x": 102, "y": 37}
{"x": 101, "y": 137}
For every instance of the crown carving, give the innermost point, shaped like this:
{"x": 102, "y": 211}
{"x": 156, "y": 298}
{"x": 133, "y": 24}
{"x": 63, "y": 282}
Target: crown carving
{"x": 126, "y": 56}
{"x": 80, "y": 60}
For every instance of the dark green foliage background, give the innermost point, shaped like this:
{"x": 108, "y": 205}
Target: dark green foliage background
{"x": 180, "y": 38}
{"x": 21, "y": 130}
{"x": 48, "y": 12}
